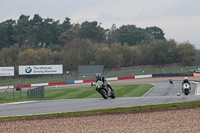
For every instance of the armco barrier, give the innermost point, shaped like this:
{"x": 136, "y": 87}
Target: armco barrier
{"x": 57, "y": 83}
{"x": 23, "y": 86}
{"x": 78, "y": 81}
{"x": 128, "y": 77}
{"x": 40, "y": 84}
{"x": 93, "y": 80}
{"x": 110, "y": 79}
{"x": 166, "y": 75}
{"x": 89, "y": 80}
{"x": 6, "y": 87}
{"x": 172, "y": 74}
{"x": 143, "y": 76}
{"x": 69, "y": 82}
{"x": 186, "y": 74}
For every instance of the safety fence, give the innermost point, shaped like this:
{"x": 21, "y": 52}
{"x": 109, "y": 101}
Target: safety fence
{"x": 38, "y": 92}
{"x": 22, "y": 93}
{"x": 13, "y": 93}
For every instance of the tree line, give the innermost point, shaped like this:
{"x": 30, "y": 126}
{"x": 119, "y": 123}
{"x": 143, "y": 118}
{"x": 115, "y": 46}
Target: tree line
{"x": 40, "y": 41}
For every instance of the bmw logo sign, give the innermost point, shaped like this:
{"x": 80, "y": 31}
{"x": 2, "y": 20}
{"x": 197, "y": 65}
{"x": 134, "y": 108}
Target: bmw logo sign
{"x": 28, "y": 70}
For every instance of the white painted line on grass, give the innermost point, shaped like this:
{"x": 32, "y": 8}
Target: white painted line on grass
{"x": 149, "y": 90}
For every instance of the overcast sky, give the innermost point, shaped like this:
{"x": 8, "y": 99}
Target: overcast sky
{"x": 179, "y": 19}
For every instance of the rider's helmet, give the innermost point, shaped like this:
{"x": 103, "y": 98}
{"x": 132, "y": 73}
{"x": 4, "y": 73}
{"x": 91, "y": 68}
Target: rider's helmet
{"x": 185, "y": 79}
{"x": 98, "y": 76}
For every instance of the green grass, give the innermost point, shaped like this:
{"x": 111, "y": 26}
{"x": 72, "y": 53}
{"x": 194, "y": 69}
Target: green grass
{"x": 130, "y": 90}
{"x": 11, "y": 97}
{"x": 135, "y": 90}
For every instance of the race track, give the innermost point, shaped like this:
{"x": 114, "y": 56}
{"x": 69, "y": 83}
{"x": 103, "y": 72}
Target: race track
{"x": 163, "y": 93}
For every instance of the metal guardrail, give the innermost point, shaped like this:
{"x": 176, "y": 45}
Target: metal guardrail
{"x": 22, "y": 93}
{"x": 172, "y": 74}
{"x": 38, "y": 92}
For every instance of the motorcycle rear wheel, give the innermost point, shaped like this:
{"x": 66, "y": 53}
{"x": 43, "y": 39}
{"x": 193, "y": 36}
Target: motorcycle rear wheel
{"x": 113, "y": 95}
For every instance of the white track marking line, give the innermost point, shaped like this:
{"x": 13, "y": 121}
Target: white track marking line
{"x": 14, "y": 103}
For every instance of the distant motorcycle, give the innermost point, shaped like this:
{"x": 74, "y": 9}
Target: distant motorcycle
{"x": 105, "y": 91}
{"x": 186, "y": 88}
{"x": 170, "y": 81}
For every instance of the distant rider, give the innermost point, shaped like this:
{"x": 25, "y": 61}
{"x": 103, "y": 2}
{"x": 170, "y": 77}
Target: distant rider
{"x": 104, "y": 80}
{"x": 170, "y": 81}
{"x": 186, "y": 81}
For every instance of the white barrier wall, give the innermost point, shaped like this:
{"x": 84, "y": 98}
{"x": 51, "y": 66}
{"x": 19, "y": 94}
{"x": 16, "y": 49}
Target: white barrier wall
{"x": 143, "y": 76}
{"x": 109, "y": 79}
{"x": 78, "y": 81}
{"x": 40, "y": 84}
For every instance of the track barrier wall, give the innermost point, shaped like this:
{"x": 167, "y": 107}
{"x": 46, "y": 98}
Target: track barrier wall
{"x": 109, "y": 79}
{"x": 128, "y": 77}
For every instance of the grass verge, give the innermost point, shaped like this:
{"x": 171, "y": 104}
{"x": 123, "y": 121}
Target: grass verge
{"x": 130, "y": 90}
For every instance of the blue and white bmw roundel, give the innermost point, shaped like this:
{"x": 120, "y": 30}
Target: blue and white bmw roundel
{"x": 28, "y": 70}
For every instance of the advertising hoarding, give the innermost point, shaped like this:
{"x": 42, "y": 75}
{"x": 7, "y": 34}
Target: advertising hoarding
{"x": 40, "y": 69}
{"x": 7, "y": 71}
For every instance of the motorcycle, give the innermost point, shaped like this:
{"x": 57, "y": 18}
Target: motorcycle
{"x": 105, "y": 91}
{"x": 170, "y": 81}
{"x": 186, "y": 88}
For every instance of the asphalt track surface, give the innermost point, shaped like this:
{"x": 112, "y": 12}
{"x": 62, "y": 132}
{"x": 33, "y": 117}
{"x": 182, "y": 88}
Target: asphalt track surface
{"x": 162, "y": 93}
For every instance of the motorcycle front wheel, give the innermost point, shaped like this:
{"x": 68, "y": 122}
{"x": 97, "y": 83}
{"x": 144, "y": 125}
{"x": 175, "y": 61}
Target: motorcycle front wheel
{"x": 103, "y": 93}
{"x": 186, "y": 92}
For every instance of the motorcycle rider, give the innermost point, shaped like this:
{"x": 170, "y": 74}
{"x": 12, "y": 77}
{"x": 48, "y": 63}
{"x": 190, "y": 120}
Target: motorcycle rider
{"x": 186, "y": 81}
{"x": 104, "y": 80}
